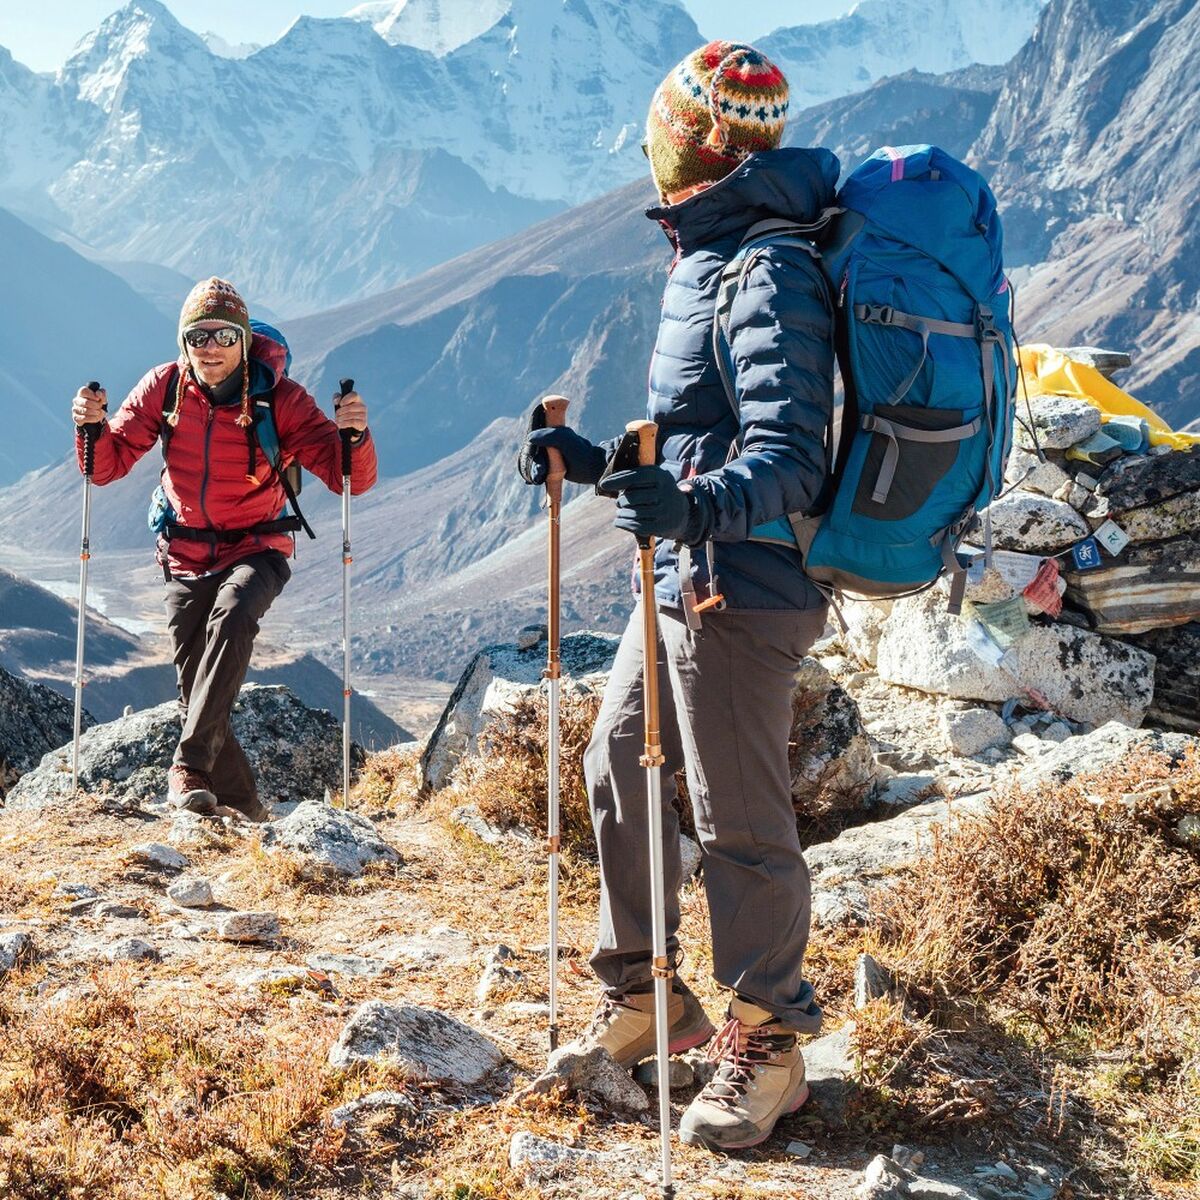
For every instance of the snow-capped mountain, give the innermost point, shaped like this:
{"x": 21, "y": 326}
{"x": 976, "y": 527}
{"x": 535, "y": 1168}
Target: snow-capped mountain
{"x": 219, "y": 46}
{"x": 355, "y": 152}
{"x": 879, "y": 38}
{"x": 438, "y": 26}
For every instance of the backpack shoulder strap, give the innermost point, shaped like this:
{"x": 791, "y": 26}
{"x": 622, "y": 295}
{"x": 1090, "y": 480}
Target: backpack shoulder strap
{"x": 774, "y": 231}
{"x": 267, "y": 434}
{"x": 169, "y": 399}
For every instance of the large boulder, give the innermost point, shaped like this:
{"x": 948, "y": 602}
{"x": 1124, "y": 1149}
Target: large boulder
{"x": 295, "y": 752}
{"x": 1035, "y": 524}
{"x": 1146, "y": 586}
{"x": 33, "y": 721}
{"x": 328, "y": 842}
{"x": 864, "y": 624}
{"x": 494, "y": 680}
{"x": 1083, "y": 676}
{"x": 829, "y": 752}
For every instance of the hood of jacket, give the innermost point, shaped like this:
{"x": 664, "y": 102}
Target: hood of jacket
{"x": 792, "y": 183}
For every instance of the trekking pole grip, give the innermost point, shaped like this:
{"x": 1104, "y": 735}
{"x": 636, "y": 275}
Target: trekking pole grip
{"x": 90, "y": 433}
{"x": 555, "y": 408}
{"x": 647, "y": 436}
{"x": 347, "y": 386}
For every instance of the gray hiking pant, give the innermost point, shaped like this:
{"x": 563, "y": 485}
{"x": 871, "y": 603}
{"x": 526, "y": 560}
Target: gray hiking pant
{"x": 726, "y": 716}
{"x": 213, "y": 622}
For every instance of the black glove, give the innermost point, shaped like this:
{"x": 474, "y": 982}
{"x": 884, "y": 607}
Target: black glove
{"x": 584, "y": 461}
{"x": 651, "y": 503}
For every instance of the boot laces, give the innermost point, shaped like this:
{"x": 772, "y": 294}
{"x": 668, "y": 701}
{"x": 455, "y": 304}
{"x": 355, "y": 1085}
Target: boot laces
{"x": 739, "y": 1050}
{"x": 187, "y": 779}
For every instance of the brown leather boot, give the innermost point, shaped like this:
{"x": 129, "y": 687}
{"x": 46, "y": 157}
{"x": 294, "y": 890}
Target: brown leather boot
{"x": 760, "y": 1078}
{"x": 191, "y": 790}
{"x": 624, "y": 1025}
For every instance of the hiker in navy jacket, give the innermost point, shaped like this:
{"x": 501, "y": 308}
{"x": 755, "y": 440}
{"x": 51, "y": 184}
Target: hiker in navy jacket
{"x": 736, "y": 615}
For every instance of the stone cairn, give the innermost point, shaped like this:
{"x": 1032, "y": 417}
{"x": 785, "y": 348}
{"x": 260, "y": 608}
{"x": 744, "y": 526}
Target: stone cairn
{"x": 1090, "y": 609}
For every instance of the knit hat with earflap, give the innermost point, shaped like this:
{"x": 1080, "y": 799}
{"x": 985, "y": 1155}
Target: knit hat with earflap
{"x": 718, "y": 106}
{"x": 215, "y": 300}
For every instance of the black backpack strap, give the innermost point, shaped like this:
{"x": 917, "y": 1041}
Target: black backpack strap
{"x": 169, "y": 401}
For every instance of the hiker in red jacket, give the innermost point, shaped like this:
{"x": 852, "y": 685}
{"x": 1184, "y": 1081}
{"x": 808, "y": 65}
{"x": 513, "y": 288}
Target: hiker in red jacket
{"x": 225, "y": 543}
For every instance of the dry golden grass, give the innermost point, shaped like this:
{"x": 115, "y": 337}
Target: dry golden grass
{"x": 1071, "y": 915}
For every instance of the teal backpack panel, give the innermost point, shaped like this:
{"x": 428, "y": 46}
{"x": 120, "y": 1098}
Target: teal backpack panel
{"x": 926, "y": 349}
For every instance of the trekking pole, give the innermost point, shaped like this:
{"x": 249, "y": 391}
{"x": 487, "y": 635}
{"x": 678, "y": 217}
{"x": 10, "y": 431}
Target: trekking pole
{"x": 85, "y": 553}
{"x": 347, "y": 386}
{"x": 555, "y": 408}
{"x": 652, "y": 759}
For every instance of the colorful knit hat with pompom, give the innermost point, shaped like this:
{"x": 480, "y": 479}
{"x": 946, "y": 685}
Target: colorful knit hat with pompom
{"x": 718, "y": 106}
{"x": 216, "y": 300}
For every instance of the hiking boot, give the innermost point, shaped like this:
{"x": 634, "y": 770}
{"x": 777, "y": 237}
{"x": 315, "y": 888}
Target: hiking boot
{"x": 759, "y": 1078}
{"x": 191, "y": 790}
{"x": 624, "y": 1025}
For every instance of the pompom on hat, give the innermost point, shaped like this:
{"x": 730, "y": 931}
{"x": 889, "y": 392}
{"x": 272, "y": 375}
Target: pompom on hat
{"x": 216, "y": 299}
{"x": 721, "y": 104}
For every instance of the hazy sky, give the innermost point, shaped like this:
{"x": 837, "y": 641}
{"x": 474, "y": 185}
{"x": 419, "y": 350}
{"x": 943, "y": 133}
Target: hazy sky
{"x": 41, "y": 33}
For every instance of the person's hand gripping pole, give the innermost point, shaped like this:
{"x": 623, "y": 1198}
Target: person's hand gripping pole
{"x": 652, "y": 759}
{"x": 555, "y": 409}
{"x": 90, "y": 432}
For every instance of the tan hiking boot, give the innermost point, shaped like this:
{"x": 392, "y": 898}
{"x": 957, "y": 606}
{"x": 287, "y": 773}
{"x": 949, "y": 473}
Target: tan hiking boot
{"x": 624, "y": 1025}
{"x": 191, "y": 790}
{"x": 760, "y": 1078}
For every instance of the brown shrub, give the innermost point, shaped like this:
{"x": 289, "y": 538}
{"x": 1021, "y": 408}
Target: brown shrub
{"x": 508, "y": 778}
{"x": 1060, "y": 898}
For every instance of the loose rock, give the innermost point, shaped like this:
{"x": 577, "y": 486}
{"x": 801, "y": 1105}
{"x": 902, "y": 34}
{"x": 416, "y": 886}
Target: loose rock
{"x": 425, "y": 1043}
{"x": 130, "y": 950}
{"x": 248, "y": 927}
{"x": 681, "y": 1074}
{"x": 974, "y": 730}
{"x": 155, "y": 854}
{"x": 540, "y": 1158}
{"x": 1059, "y": 422}
{"x": 15, "y": 948}
{"x": 594, "y": 1072}
{"x": 190, "y": 892}
{"x": 329, "y": 842}
{"x": 396, "y": 1104}
{"x": 1035, "y": 524}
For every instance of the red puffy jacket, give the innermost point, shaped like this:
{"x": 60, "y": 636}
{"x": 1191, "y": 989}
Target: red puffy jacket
{"x": 205, "y": 476}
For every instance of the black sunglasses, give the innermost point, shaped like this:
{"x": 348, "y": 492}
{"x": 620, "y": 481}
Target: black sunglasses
{"x": 225, "y": 336}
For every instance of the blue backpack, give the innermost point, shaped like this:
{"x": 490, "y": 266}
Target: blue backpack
{"x": 925, "y": 344}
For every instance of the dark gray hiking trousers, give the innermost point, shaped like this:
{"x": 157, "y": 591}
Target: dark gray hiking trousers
{"x": 726, "y": 700}
{"x": 213, "y": 622}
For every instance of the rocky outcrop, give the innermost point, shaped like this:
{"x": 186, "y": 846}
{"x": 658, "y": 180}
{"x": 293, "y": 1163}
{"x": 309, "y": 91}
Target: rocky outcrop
{"x": 295, "y": 752}
{"x": 491, "y": 683}
{"x": 832, "y": 763}
{"x": 33, "y": 721}
{"x": 1103, "y": 747}
{"x": 1081, "y": 675}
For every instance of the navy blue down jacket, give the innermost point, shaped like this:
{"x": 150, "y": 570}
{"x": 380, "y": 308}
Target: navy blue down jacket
{"x": 781, "y": 336}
